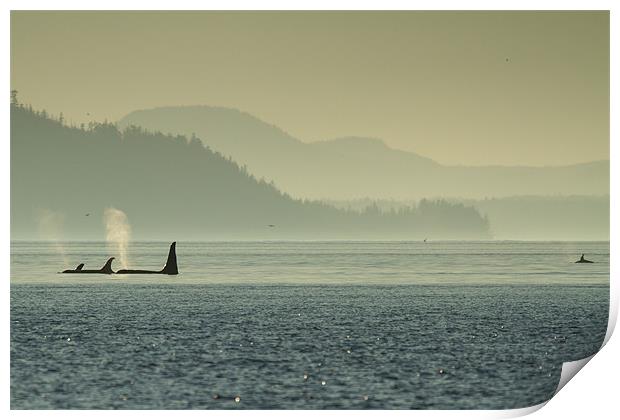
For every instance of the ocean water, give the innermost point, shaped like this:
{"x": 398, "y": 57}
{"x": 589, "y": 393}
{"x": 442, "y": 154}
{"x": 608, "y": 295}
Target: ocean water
{"x": 304, "y": 325}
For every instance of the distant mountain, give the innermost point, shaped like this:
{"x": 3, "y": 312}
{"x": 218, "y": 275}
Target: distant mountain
{"x": 549, "y": 218}
{"x": 175, "y": 188}
{"x": 357, "y": 167}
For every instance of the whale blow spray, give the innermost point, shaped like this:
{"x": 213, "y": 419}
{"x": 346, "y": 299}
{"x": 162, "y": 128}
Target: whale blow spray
{"x": 118, "y": 232}
{"x": 50, "y": 229}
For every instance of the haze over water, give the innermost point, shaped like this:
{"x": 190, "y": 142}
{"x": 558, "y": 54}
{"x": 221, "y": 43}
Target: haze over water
{"x": 283, "y": 126}
{"x": 305, "y": 324}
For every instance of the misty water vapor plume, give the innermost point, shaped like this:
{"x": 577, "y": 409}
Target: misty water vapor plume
{"x": 50, "y": 229}
{"x": 118, "y": 233}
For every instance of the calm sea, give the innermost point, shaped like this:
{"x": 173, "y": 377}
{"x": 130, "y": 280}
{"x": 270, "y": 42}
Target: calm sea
{"x": 304, "y": 325}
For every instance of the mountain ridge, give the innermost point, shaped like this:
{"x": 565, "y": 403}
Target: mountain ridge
{"x": 176, "y": 187}
{"x": 355, "y": 166}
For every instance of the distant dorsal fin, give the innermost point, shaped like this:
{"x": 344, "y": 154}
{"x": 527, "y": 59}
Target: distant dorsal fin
{"x": 79, "y": 267}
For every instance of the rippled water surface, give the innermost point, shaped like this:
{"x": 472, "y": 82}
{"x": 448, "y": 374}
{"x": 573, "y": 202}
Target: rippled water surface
{"x": 391, "y": 325}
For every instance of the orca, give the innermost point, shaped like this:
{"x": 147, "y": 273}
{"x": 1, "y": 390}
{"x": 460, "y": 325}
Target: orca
{"x": 583, "y": 260}
{"x": 106, "y": 269}
{"x": 170, "y": 268}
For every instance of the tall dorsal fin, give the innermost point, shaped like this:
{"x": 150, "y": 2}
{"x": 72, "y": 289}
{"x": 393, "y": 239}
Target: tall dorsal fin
{"x": 171, "y": 263}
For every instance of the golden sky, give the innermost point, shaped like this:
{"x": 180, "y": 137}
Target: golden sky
{"x": 471, "y": 88}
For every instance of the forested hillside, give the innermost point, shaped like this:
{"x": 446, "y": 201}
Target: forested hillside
{"x": 173, "y": 187}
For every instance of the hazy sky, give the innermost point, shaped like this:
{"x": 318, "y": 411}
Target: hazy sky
{"x": 459, "y": 87}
